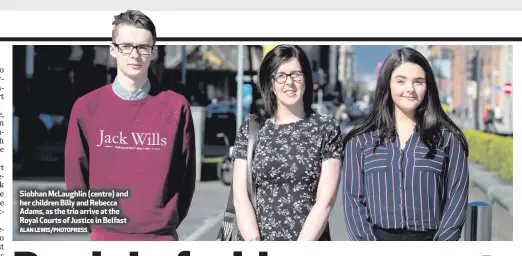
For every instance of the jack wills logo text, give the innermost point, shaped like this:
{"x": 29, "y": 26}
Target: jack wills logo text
{"x": 132, "y": 141}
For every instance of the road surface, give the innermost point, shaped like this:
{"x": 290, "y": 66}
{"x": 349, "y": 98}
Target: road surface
{"x": 209, "y": 202}
{"x": 502, "y": 222}
{"x": 206, "y": 212}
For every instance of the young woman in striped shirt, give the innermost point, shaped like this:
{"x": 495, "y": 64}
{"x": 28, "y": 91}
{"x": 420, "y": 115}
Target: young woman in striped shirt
{"x": 406, "y": 171}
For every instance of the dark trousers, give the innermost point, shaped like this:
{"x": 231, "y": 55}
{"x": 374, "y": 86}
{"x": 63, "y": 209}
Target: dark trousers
{"x": 402, "y": 234}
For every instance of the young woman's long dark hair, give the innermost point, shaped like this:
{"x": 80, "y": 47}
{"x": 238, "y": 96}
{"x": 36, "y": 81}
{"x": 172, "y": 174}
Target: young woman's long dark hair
{"x": 430, "y": 117}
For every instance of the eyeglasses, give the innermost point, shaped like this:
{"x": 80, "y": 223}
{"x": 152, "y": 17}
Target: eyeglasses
{"x": 128, "y": 48}
{"x": 297, "y": 76}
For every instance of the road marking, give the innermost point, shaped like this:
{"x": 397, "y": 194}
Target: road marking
{"x": 208, "y": 225}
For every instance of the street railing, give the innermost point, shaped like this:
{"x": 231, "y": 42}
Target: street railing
{"x": 478, "y": 222}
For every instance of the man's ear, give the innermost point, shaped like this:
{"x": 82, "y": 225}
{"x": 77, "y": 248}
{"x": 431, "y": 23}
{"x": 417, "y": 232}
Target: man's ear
{"x": 155, "y": 50}
{"x": 113, "y": 50}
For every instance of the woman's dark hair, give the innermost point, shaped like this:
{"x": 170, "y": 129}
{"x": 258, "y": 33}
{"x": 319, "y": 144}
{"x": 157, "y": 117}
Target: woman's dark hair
{"x": 269, "y": 66}
{"x": 430, "y": 117}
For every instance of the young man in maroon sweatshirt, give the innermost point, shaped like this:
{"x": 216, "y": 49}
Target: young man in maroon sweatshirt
{"x": 121, "y": 137}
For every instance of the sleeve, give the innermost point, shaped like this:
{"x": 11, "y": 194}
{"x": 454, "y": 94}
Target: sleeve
{"x": 188, "y": 182}
{"x": 333, "y": 147}
{"x": 76, "y": 154}
{"x": 456, "y": 193}
{"x": 356, "y": 214}
{"x": 241, "y": 141}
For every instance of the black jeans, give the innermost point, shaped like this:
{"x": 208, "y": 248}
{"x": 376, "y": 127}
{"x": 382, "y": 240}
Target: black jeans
{"x": 402, "y": 234}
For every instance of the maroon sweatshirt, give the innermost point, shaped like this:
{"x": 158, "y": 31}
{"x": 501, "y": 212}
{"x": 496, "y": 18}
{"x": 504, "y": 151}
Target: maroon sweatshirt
{"x": 146, "y": 146}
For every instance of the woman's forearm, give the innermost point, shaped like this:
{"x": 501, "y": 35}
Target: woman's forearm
{"x": 246, "y": 220}
{"x": 245, "y": 215}
{"x": 315, "y": 222}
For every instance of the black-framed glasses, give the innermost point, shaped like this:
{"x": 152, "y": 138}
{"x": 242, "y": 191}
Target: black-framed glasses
{"x": 297, "y": 76}
{"x": 140, "y": 49}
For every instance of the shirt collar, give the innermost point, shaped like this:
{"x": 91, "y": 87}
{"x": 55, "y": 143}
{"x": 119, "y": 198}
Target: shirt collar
{"x": 118, "y": 89}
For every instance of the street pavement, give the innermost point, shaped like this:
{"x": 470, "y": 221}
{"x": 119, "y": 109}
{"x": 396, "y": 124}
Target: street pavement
{"x": 502, "y": 222}
{"x": 206, "y": 212}
{"x": 207, "y": 206}
{"x": 469, "y": 123}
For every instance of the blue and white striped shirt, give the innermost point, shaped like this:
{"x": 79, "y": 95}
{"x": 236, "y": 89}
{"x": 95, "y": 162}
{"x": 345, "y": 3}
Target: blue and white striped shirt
{"x": 396, "y": 188}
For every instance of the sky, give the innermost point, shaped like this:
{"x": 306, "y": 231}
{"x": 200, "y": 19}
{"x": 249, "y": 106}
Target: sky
{"x": 367, "y": 57}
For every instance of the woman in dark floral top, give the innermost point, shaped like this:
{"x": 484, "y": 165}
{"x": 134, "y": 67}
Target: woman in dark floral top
{"x": 296, "y": 165}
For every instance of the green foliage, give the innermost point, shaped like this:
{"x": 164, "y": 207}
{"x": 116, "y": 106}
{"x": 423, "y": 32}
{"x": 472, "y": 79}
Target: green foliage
{"x": 492, "y": 151}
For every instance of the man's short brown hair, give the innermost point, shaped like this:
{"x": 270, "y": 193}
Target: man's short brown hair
{"x": 134, "y": 18}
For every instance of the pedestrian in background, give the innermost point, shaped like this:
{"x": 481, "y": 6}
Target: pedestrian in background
{"x": 405, "y": 166}
{"x": 296, "y": 165}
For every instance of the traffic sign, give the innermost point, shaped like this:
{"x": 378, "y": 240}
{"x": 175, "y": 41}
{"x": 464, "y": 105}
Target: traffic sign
{"x": 508, "y": 88}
